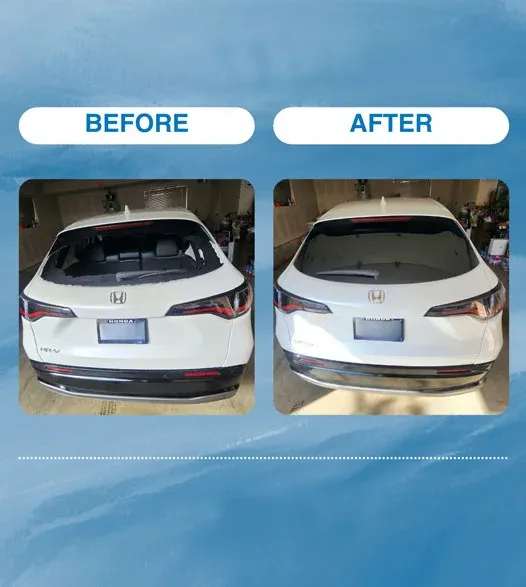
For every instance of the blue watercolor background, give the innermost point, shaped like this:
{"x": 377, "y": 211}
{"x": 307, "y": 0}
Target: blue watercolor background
{"x": 261, "y": 523}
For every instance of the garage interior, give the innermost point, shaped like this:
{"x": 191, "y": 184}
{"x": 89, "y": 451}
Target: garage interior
{"x": 46, "y": 207}
{"x": 482, "y": 208}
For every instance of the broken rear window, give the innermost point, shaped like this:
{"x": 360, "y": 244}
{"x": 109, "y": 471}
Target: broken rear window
{"x": 133, "y": 252}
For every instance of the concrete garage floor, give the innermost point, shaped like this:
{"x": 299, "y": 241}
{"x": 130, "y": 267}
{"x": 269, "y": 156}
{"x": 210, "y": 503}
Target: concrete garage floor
{"x": 293, "y": 396}
{"x": 37, "y": 400}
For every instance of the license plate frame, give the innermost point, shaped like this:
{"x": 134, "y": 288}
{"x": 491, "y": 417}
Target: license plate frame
{"x": 139, "y": 324}
{"x": 397, "y": 330}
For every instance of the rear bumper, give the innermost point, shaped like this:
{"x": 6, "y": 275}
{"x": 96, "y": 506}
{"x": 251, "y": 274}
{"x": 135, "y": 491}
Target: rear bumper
{"x": 198, "y": 385}
{"x": 388, "y": 379}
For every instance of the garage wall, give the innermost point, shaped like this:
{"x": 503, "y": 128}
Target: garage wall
{"x": 464, "y": 191}
{"x": 34, "y": 243}
{"x": 227, "y": 192}
{"x": 331, "y": 193}
{"x": 451, "y": 193}
{"x": 246, "y": 197}
{"x": 291, "y": 222}
{"x": 334, "y": 192}
{"x": 86, "y": 199}
{"x": 81, "y": 200}
{"x": 416, "y": 188}
{"x": 485, "y": 187}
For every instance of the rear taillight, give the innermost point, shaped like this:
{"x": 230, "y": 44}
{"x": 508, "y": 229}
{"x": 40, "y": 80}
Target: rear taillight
{"x": 482, "y": 307}
{"x": 119, "y": 225}
{"x": 32, "y": 310}
{"x": 381, "y": 219}
{"x": 289, "y": 303}
{"x": 229, "y": 305}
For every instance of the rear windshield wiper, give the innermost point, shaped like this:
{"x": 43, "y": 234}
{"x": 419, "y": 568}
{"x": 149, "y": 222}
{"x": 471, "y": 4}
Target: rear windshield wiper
{"x": 124, "y": 275}
{"x": 372, "y": 273}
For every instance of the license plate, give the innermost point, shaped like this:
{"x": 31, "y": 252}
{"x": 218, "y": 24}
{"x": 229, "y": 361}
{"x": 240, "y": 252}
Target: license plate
{"x": 122, "y": 331}
{"x": 381, "y": 330}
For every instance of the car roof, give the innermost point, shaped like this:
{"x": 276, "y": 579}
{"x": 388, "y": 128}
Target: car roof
{"x": 133, "y": 216}
{"x": 387, "y": 207}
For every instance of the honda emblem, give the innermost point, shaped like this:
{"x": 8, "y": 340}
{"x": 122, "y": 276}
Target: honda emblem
{"x": 376, "y": 296}
{"x": 118, "y": 297}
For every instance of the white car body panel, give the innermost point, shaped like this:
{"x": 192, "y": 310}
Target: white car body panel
{"x": 457, "y": 340}
{"x": 428, "y": 341}
{"x": 175, "y": 342}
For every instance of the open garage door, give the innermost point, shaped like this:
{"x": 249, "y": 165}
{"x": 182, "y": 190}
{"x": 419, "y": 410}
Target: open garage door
{"x": 169, "y": 196}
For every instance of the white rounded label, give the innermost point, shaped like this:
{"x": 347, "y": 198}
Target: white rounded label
{"x": 391, "y": 126}
{"x": 171, "y": 125}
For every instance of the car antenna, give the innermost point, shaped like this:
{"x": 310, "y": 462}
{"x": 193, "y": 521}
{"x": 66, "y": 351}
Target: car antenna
{"x": 383, "y": 203}
{"x": 126, "y": 210}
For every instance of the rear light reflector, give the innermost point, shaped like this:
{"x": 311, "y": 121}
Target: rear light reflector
{"x": 202, "y": 374}
{"x": 57, "y": 369}
{"x": 312, "y": 362}
{"x": 229, "y": 305}
{"x": 483, "y": 307}
{"x": 289, "y": 303}
{"x": 33, "y": 310}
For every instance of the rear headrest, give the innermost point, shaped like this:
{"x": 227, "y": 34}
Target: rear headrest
{"x": 167, "y": 247}
{"x": 93, "y": 254}
{"x": 126, "y": 255}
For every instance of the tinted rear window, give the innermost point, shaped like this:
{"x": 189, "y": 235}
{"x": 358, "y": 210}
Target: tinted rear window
{"x": 399, "y": 250}
{"x": 131, "y": 253}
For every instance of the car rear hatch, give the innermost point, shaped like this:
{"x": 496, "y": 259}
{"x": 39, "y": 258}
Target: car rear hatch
{"x": 378, "y": 304}
{"x": 149, "y": 338}
{"x": 149, "y": 319}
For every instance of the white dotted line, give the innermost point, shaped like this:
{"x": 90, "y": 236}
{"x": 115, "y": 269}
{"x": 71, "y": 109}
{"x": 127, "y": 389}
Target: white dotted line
{"x": 264, "y": 458}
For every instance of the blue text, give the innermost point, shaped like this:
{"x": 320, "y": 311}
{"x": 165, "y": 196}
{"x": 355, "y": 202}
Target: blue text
{"x": 392, "y": 122}
{"x": 143, "y": 122}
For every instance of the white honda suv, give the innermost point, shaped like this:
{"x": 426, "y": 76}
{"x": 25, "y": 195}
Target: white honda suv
{"x": 390, "y": 295}
{"x": 138, "y": 305}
